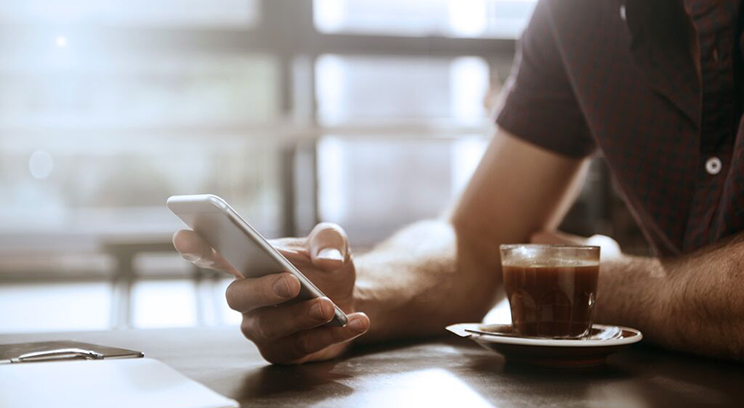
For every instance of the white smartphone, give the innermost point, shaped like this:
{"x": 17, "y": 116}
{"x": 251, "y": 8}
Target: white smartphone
{"x": 239, "y": 243}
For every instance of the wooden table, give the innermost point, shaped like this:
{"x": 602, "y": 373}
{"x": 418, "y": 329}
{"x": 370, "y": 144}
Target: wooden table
{"x": 443, "y": 372}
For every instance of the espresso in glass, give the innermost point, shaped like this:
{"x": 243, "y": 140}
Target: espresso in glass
{"x": 551, "y": 288}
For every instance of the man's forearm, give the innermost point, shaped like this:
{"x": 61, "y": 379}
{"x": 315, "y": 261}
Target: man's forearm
{"x": 693, "y": 303}
{"x": 415, "y": 283}
{"x": 444, "y": 271}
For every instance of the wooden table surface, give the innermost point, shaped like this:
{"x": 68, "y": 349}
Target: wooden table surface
{"x": 448, "y": 372}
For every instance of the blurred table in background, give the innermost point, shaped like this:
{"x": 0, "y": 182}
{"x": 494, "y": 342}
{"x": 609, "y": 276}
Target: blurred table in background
{"x": 94, "y": 245}
{"x": 446, "y": 372}
{"x": 95, "y": 267}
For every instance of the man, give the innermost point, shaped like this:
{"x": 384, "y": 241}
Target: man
{"x": 655, "y": 87}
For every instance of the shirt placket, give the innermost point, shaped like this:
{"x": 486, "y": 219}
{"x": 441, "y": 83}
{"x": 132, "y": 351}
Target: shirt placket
{"x": 715, "y": 22}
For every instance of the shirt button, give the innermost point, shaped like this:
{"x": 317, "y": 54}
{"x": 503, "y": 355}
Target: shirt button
{"x": 713, "y": 166}
{"x": 622, "y": 12}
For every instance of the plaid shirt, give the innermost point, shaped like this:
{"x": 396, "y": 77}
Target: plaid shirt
{"x": 652, "y": 85}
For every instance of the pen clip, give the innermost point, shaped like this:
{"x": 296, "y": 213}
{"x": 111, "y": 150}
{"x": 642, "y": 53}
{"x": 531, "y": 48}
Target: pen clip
{"x": 62, "y": 353}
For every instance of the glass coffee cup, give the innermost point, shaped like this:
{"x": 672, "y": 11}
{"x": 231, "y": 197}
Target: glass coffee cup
{"x": 551, "y": 288}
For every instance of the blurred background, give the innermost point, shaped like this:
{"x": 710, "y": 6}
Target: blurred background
{"x": 368, "y": 113}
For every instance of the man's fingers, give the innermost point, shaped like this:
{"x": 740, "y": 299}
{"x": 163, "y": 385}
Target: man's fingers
{"x": 247, "y": 294}
{"x": 294, "y": 348}
{"x": 328, "y": 246}
{"x": 191, "y": 246}
{"x": 194, "y": 249}
{"x": 271, "y": 323}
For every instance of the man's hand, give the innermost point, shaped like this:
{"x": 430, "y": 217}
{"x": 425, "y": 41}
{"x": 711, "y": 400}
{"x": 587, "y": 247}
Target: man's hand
{"x": 291, "y": 333}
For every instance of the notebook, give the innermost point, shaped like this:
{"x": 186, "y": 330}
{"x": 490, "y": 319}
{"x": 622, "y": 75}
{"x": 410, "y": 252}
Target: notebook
{"x": 116, "y": 383}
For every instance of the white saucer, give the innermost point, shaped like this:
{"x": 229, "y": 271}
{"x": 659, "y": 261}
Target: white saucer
{"x": 589, "y": 351}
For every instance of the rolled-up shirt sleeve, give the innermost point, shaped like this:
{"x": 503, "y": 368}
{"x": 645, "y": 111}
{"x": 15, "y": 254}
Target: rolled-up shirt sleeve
{"x": 539, "y": 104}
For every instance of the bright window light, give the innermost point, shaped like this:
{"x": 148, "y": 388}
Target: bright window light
{"x": 466, "y": 154}
{"x": 235, "y": 14}
{"x": 468, "y": 18}
{"x": 366, "y": 89}
{"x": 167, "y": 303}
{"x": 469, "y": 85}
{"x": 40, "y": 164}
{"x": 332, "y": 171}
{"x": 451, "y": 18}
{"x": 61, "y": 41}
{"x": 31, "y": 307}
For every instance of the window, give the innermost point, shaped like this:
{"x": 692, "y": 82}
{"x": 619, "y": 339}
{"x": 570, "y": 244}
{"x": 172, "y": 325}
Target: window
{"x": 95, "y": 139}
{"x": 450, "y": 18}
{"x": 134, "y": 13}
{"x": 372, "y": 186}
{"x": 374, "y": 90}
{"x": 295, "y": 111}
{"x": 74, "y": 89}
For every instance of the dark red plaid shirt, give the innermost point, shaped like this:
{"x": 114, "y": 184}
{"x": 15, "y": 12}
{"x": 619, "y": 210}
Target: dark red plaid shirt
{"x": 654, "y": 86}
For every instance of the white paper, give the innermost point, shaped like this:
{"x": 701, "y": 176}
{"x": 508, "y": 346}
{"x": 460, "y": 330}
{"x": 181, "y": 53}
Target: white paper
{"x": 123, "y": 383}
